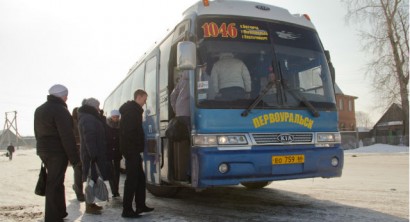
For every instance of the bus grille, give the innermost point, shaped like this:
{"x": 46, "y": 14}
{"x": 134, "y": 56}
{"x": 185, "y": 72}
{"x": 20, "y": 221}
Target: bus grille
{"x": 275, "y": 138}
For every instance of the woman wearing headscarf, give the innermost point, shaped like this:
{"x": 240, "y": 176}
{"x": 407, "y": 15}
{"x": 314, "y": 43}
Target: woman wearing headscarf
{"x": 93, "y": 145}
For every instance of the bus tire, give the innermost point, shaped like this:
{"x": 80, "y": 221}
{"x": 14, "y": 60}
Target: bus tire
{"x": 256, "y": 185}
{"x": 162, "y": 191}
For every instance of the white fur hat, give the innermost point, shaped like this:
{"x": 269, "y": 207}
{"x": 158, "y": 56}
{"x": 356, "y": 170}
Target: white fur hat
{"x": 115, "y": 112}
{"x": 92, "y": 102}
{"x": 58, "y": 90}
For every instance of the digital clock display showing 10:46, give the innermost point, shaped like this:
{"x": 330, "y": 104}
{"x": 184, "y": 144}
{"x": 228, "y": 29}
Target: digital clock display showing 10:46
{"x": 211, "y": 29}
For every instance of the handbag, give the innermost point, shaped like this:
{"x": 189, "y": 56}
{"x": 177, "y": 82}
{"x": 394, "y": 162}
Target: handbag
{"x": 176, "y": 130}
{"x": 41, "y": 182}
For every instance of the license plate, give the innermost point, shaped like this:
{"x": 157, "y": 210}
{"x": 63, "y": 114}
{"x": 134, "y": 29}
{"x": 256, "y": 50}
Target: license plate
{"x": 290, "y": 159}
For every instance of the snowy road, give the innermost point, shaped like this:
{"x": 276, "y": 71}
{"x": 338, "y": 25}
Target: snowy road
{"x": 374, "y": 187}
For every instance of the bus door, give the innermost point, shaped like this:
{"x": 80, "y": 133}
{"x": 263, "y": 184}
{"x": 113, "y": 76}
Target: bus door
{"x": 151, "y": 121}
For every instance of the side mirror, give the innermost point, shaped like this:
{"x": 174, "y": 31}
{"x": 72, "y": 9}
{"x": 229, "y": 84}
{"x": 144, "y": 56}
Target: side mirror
{"x": 186, "y": 55}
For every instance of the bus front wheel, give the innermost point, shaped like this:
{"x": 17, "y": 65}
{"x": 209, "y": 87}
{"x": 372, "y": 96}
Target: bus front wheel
{"x": 256, "y": 185}
{"x": 162, "y": 191}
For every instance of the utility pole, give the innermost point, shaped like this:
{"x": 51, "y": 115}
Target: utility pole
{"x": 11, "y": 123}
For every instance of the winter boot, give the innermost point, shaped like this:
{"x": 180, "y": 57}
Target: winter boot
{"x": 92, "y": 208}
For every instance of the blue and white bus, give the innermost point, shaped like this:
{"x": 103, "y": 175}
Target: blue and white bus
{"x": 285, "y": 127}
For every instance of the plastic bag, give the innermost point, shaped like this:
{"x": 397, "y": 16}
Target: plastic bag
{"x": 95, "y": 190}
{"x": 100, "y": 190}
{"x": 89, "y": 189}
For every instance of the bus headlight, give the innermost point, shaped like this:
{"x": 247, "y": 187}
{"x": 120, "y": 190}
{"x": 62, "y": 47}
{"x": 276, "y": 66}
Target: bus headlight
{"x": 204, "y": 140}
{"x": 327, "y": 139}
{"x": 232, "y": 140}
{"x": 209, "y": 140}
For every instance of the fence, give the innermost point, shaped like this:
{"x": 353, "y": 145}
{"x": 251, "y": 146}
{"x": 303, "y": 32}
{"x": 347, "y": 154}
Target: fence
{"x": 352, "y": 140}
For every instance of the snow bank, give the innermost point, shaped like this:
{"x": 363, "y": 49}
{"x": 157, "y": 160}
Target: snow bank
{"x": 380, "y": 148}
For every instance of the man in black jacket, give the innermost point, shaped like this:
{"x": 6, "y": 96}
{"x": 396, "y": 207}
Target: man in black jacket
{"x": 78, "y": 173}
{"x": 53, "y": 129}
{"x": 132, "y": 145}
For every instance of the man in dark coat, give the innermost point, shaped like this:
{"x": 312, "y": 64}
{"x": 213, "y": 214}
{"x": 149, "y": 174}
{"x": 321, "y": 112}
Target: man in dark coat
{"x": 53, "y": 129}
{"x": 93, "y": 145}
{"x": 113, "y": 150}
{"x": 132, "y": 141}
{"x": 78, "y": 173}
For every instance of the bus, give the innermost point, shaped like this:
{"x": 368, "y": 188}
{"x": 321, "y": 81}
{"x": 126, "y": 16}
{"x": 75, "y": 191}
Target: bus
{"x": 286, "y": 125}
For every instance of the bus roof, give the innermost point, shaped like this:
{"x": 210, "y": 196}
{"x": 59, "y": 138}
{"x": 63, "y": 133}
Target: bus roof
{"x": 250, "y": 9}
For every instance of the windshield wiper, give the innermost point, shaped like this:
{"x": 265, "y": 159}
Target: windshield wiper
{"x": 297, "y": 95}
{"x": 281, "y": 84}
{"x": 258, "y": 99}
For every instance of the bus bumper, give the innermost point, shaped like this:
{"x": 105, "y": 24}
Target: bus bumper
{"x": 255, "y": 165}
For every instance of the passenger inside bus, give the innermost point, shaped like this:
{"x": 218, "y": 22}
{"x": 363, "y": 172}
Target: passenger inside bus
{"x": 270, "y": 77}
{"x": 179, "y": 100}
{"x": 230, "y": 78}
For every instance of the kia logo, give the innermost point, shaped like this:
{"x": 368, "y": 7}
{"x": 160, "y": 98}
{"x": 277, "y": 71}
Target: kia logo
{"x": 285, "y": 138}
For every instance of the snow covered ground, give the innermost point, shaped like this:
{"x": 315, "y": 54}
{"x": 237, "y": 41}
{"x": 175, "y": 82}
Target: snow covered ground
{"x": 366, "y": 192}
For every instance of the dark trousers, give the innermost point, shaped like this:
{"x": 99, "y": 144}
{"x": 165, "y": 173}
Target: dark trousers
{"x": 78, "y": 174}
{"x": 232, "y": 93}
{"x": 134, "y": 186}
{"x": 56, "y": 166}
{"x": 78, "y": 178}
{"x": 115, "y": 176}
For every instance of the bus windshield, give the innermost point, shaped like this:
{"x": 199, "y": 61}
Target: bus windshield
{"x": 241, "y": 60}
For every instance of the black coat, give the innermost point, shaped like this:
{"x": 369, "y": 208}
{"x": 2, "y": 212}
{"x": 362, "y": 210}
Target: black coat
{"x": 113, "y": 141}
{"x": 53, "y": 129}
{"x": 132, "y": 137}
{"x": 93, "y": 147}
{"x": 10, "y": 149}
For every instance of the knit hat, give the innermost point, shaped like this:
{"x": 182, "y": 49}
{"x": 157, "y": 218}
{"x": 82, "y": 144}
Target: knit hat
{"x": 92, "y": 102}
{"x": 115, "y": 112}
{"x": 58, "y": 90}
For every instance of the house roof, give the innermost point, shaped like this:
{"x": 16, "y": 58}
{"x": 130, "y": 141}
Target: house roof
{"x": 7, "y": 131}
{"x": 363, "y": 129}
{"x": 338, "y": 90}
{"x": 393, "y": 116}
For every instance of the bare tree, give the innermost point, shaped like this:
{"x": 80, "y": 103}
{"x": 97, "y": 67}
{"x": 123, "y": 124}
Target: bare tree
{"x": 384, "y": 32}
{"x": 363, "y": 119}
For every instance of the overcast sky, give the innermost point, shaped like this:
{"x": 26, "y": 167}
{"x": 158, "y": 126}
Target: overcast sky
{"x": 89, "y": 46}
